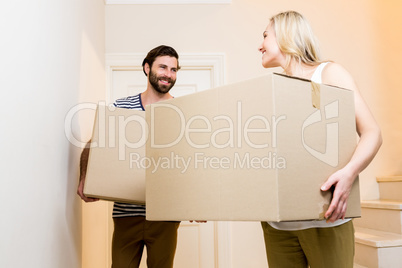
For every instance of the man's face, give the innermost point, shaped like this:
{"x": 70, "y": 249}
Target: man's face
{"x": 162, "y": 75}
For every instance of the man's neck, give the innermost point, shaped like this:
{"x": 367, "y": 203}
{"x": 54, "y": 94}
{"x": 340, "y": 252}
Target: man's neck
{"x": 150, "y": 96}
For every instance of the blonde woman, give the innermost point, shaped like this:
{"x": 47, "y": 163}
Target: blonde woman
{"x": 289, "y": 43}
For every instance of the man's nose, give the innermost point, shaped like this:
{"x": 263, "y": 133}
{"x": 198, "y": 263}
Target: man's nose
{"x": 169, "y": 73}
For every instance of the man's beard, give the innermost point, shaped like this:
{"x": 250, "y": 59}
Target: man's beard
{"x": 163, "y": 89}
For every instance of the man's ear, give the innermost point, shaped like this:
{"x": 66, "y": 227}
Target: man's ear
{"x": 146, "y": 68}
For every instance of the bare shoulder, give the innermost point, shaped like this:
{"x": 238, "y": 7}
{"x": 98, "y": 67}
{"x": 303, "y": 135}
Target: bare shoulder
{"x": 336, "y": 75}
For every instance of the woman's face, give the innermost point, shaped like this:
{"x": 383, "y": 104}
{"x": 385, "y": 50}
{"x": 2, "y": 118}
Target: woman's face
{"x": 272, "y": 56}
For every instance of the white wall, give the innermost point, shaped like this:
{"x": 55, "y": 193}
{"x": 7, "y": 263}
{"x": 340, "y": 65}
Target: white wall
{"x": 52, "y": 57}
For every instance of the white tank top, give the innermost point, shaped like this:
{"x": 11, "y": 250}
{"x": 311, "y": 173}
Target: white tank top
{"x": 317, "y": 75}
{"x": 301, "y": 225}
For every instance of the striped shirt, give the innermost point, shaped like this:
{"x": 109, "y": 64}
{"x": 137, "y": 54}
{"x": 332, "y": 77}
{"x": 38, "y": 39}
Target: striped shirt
{"x": 123, "y": 209}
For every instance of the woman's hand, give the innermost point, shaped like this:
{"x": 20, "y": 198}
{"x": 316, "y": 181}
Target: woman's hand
{"x": 342, "y": 181}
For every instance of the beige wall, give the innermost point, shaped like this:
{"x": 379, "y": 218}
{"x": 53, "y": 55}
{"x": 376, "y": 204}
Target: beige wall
{"x": 52, "y": 57}
{"x": 362, "y": 35}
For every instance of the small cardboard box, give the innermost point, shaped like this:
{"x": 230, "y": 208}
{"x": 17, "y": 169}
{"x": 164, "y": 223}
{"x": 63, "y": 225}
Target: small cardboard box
{"x": 118, "y": 140}
{"x": 258, "y": 150}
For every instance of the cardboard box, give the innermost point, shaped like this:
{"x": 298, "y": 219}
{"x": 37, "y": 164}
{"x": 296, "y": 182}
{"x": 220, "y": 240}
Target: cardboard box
{"x": 258, "y": 150}
{"x": 118, "y": 139}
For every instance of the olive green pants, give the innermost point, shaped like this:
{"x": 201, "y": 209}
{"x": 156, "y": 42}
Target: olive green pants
{"x": 130, "y": 236}
{"x": 314, "y": 247}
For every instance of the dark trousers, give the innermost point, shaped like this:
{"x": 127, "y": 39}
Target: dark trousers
{"x": 318, "y": 247}
{"x": 130, "y": 236}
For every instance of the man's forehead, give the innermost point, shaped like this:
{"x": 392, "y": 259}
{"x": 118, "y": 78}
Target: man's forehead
{"x": 166, "y": 59}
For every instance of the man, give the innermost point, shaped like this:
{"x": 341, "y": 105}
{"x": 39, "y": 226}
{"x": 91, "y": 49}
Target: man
{"x": 131, "y": 230}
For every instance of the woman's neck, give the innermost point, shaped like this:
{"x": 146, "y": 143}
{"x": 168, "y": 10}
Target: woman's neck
{"x": 301, "y": 70}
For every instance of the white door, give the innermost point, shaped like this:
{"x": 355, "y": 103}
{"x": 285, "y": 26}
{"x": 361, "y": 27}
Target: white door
{"x": 198, "y": 245}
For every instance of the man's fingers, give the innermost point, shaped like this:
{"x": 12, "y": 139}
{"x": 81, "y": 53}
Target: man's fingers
{"x": 86, "y": 199}
{"x": 89, "y": 199}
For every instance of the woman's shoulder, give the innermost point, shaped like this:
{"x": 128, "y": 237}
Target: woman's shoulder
{"x": 336, "y": 75}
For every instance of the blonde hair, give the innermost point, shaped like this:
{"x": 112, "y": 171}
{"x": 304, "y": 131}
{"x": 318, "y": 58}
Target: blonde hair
{"x": 295, "y": 38}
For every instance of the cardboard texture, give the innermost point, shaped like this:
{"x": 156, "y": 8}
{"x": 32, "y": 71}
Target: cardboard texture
{"x": 118, "y": 140}
{"x": 258, "y": 150}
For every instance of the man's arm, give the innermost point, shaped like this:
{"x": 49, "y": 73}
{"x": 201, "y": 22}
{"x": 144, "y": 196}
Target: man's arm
{"x": 83, "y": 173}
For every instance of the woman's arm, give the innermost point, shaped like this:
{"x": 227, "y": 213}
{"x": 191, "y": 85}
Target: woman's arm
{"x": 367, "y": 147}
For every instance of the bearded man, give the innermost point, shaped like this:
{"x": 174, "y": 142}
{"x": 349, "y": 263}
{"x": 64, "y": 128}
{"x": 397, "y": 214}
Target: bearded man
{"x": 131, "y": 230}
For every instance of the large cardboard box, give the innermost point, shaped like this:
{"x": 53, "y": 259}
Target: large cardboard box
{"x": 258, "y": 150}
{"x": 118, "y": 140}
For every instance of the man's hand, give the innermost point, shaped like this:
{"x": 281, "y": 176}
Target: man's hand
{"x": 80, "y": 192}
{"x": 83, "y": 174}
{"x": 342, "y": 180}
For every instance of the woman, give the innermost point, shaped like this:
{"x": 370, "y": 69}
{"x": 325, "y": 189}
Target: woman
{"x": 289, "y": 43}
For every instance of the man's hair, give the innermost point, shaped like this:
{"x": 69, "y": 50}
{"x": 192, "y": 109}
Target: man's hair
{"x": 157, "y": 52}
{"x": 295, "y": 38}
